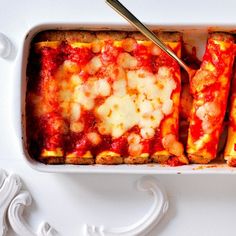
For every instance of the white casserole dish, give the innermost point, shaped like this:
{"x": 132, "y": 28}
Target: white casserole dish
{"x": 193, "y": 36}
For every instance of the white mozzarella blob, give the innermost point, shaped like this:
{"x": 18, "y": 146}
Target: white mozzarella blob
{"x": 104, "y": 129}
{"x": 75, "y": 111}
{"x": 167, "y": 107}
{"x": 135, "y": 149}
{"x": 94, "y": 138}
{"x": 120, "y": 111}
{"x": 132, "y": 79}
{"x": 103, "y": 87}
{"x": 70, "y": 66}
{"x": 90, "y": 87}
{"x": 76, "y": 127}
{"x": 155, "y": 50}
{"x": 145, "y": 107}
{"x": 119, "y": 88}
{"x": 84, "y": 99}
{"x": 120, "y": 115}
{"x": 206, "y": 112}
{"x": 127, "y": 61}
{"x": 208, "y": 109}
{"x": 133, "y": 138}
{"x": 166, "y": 86}
{"x": 147, "y": 133}
{"x": 94, "y": 65}
{"x": 157, "y": 117}
{"x": 103, "y": 110}
{"x": 171, "y": 144}
{"x": 76, "y": 80}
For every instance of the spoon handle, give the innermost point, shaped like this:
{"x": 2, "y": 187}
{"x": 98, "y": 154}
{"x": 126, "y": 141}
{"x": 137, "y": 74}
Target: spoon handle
{"x": 123, "y": 11}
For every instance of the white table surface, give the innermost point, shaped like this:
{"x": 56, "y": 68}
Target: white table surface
{"x": 199, "y": 204}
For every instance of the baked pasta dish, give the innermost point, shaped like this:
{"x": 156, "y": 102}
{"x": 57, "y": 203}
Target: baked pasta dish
{"x": 115, "y": 97}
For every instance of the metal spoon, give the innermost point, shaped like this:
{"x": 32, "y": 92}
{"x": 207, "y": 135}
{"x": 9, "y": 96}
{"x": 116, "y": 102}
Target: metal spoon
{"x": 123, "y": 11}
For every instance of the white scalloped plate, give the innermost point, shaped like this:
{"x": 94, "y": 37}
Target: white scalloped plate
{"x": 13, "y": 201}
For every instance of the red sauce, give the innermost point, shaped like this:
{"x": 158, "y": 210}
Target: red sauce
{"x": 151, "y": 62}
{"x": 146, "y": 145}
{"x": 196, "y": 128}
{"x": 232, "y": 162}
{"x": 145, "y": 59}
{"x": 82, "y": 145}
{"x": 105, "y": 145}
{"x": 174, "y": 161}
{"x": 165, "y": 60}
{"x": 110, "y": 52}
{"x": 51, "y": 131}
{"x": 80, "y": 55}
{"x": 156, "y": 142}
{"x": 50, "y": 59}
{"x": 209, "y": 92}
{"x": 120, "y": 145}
{"x": 89, "y": 121}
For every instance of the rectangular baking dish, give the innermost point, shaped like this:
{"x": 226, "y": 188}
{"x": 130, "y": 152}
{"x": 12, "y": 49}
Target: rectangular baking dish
{"x": 193, "y": 35}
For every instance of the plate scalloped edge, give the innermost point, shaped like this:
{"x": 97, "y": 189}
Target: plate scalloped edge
{"x": 147, "y": 222}
{"x": 13, "y": 201}
{"x": 12, "y": 204}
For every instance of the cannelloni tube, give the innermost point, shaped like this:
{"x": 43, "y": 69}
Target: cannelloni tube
{"x": 111, "y": 98}
{"x": 46, "y": 127}
{"x": 166, "y": 146}
{"x": 230, "y": 148}
{"x": 210, "y": 87}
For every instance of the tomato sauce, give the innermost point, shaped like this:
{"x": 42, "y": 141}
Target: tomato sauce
{"x": 156, "y": 142}
{"x": 196, "y": 129}
{"x": 120, "y": 145}
{"x": 209, "y": 92}
{"x": 174, "y": 161}
{"x": 51, "y": 131}
{"x": 79, "y": 55}
{"x": 110, "y": 52}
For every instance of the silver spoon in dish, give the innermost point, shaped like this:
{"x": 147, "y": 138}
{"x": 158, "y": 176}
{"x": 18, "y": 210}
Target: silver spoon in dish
{"x": 124, "y": 12}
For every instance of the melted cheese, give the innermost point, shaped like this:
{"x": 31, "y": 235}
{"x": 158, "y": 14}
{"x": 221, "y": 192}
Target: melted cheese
{"x": 133, "y": 138}
{"x": 94, "y": 65}
{"x": 75, "y": 111}
{"x": 171, "y": 144}
{"x": 119, "y": 87}
{"x": 103, "y": 87}
{"x": 131, "y": 97}
{"x": 76, "y": 127}
{"x": 127, "y": 61}
{"x": 94, "y": 138}
{"x": 205, "y": 113}
{"x": 86, "y": 100}
{"x": 147, "y": 133}
{"x": 145, "y": 108}
{"x": 118, "y": 114}
{"x": 135, "y": 149}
